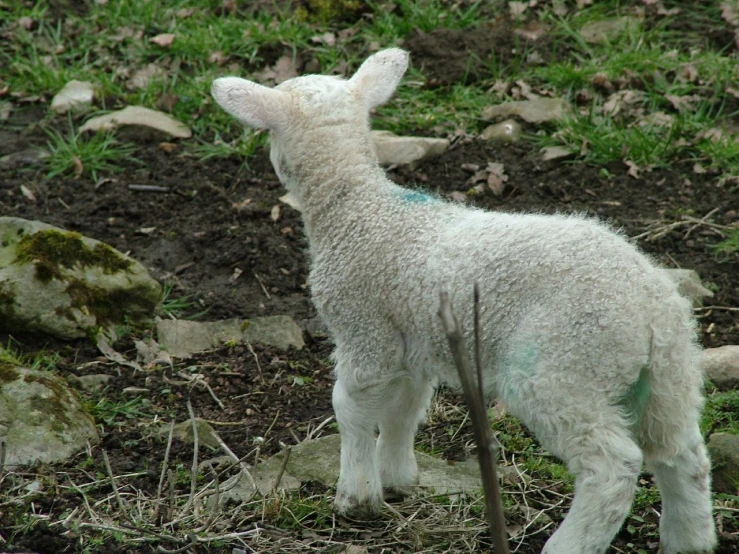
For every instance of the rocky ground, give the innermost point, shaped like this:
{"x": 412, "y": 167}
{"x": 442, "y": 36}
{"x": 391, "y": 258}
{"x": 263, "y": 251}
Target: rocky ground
{"x": 204, "y": 214}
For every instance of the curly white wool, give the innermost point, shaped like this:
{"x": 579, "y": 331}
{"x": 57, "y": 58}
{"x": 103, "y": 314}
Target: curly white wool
{"x": 584, "y": 338}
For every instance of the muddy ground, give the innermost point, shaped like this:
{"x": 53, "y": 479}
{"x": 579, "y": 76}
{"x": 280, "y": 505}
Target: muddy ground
{"x": 217, "y": 219}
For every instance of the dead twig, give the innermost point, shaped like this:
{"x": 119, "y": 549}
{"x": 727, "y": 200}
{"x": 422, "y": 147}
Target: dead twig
{"x": 283, "y": 465}
{"x": 147, "y": 188}
{"x": 476, "y": 405}
{"x": 264, "y": 289}
{"x": 165, "y": 463}
{"x": 118, "y": 498}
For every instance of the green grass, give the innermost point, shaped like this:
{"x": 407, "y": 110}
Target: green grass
{"x": 80, "y": 155}
{"x": 730, "y": 246}
{"x": 115, "y": 412}
{"x": 721, "y": 413}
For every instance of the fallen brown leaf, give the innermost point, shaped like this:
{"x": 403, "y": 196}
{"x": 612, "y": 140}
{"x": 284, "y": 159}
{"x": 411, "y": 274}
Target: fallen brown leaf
{"x": 601, "y": 80}
{"x": 164, "y": 39}
{"x": 533, "y": 30}
{"x": 217, "y": 58}
{"x": 618, "y": 100}
{"x": 28, "y": 193}
{"x": 327, "y": 38}
{"x": 77, "y": 165}
{"x": 283, "y": 70}
{"x": 730, "y": 12}
{"x": 687, "y": 73}
{"x": 681, "y": 102}
{"x": 699, "y": 169}
{"x": 517, "y": 8}
{"x": 275, "y": 213}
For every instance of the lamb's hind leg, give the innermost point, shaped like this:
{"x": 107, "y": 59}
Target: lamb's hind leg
{"x": 686, "y": 525}
{"x": 594, "y": 441}
{"x": 407, "y": 403}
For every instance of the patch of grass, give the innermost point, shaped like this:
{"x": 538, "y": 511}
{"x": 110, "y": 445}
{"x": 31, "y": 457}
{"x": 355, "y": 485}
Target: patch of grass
{"x": 79, "y": 155}
{"x": 729, "y": 246}
{"x": 296, "y": 511}
{"x": 115, "y": 412}
{"x": 721, "y": 413}
{"x": 179, "y": 307}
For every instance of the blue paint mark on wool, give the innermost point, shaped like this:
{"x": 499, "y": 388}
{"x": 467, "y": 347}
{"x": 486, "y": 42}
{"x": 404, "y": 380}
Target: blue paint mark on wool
{"x": 515, "y": 368}
{"x": 415, "y": 197}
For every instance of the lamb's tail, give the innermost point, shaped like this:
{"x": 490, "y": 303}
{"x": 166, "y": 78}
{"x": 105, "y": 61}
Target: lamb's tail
{"x": 675, "y": 378}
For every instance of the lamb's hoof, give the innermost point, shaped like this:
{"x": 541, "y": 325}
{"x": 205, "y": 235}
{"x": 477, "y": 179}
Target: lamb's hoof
{"x": 350, "y": 507}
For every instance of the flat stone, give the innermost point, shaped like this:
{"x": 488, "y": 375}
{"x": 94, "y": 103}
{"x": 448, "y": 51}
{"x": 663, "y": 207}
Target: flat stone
{"x": 505, "y": 131}
{"x": 66, "y": 285}
{"x": 183, "y": 338}
{"x": 723, "y": 449}
{"x": 606, "y": 29}
{"x": 722, "y": 365}
{"x": 538, "y": 110}
{"x": 74, "y": 95}
{"x": 318, "y": 460}
{"x": 23, "y": 158}
{"x": 689, "y": 285}
{"x": 138, "y": 116}
{"x": 41, "y": 417}
{"x": 392, "y": 149}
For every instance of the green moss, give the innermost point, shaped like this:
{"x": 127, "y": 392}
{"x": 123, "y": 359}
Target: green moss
{"x": 109, "y": 307}
{"x": 7, "y": 305}
{"x": 8, "y": 371}
{"x": 331, "y": 10}
{"x": 54, "y": 405}
{"x": 51, "y": 249}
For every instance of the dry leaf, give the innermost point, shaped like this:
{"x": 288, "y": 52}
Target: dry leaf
{"x": 559, "y": 7}
{"x": 634, "y": 169}
{"x": 601, "y": 80}
{"x": 458, "y": 196}
{"x": 164, "y": 40}
{"x": 142, "y": 77}
{"x": 584, "y": 3}
{"x": 283, "y": 70}
{"x": 699, "y": 169}
{"x": 496, "y": 178}
{"x": 533, "y": 30}
{"x": 167, "y": 102}
{"x": 618, "y": 100}
{"x": 28, "y": 193}
{"x": 730, "y": 12}
{"x": 688, "y": 73}
{"x": 184, "y": 12}
{"x": 713, "y": 134}
{"x": 661, "y": 10}
{"x": 328, "y": 38}
{"x": 77, "y": 165}
{"x": 217, "y": 58}
{"x": 275, "y": 213}
{"x": 681, "y": 102}
{"x": 517, "y": 8}
{"x": 25, "y": 22}
{"x": 659, "y": 119}
{"x": 167, "y": 147}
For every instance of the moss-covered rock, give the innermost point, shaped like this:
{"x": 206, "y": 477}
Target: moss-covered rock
{"x": 63, "y": 284}
{"x": 41, "y": 418}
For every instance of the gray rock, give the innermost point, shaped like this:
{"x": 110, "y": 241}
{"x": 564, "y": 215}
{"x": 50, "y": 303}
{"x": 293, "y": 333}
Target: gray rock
{"x": 63, "y": 284}
{"x": 41, "y": 417}
{"x": 318, "y": 460}
{"x": 722, "y": 365}
{"x": 182, "y": 338}
{"x": 392, "y": 149}
{"x": 606, "y": 29}
{"x": 724, "y": 451}
{"x": 90, "y": 383}
{"x": 505, "y": 131}
{"x": 75, "y": 95}
{"x": 689, "y": 285}
{"x": 23, "y": 158}
{"x": 183, "y": 431}
{"x": 537, "y": 110}
{"x": 551, "y": 153}
{"x": 140, "y": 117}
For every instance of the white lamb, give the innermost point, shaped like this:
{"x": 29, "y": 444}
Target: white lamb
{"x": 584, "y": 338}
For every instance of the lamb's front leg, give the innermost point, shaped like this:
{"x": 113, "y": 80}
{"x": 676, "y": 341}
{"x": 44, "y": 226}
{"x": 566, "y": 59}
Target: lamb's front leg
{"x": 359, "y": 491}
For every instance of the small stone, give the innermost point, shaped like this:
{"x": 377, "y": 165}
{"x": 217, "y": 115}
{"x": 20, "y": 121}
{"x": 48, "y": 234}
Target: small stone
{"x": 138, "y": 116}
{"x": 90, "y": 383}
{"x": 537, "y": 110}
{"x": 506, "y": 131}
{"x": 721, "y": 365}
{"x": 183, "y": 431}
{"x": 23, "y": 158}
{"x": 74, "y": 95}
{"x": 182, "y": 338}
{"x": 392, "y": 149}
{"x": 551, "y": 153}
{"x": 723, "y": 449}
{"x": 689, "y": 285}
{"x": 607, "y": 29}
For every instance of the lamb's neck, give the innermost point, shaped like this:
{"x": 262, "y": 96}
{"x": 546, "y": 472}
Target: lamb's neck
{"x": 331, "y": 178}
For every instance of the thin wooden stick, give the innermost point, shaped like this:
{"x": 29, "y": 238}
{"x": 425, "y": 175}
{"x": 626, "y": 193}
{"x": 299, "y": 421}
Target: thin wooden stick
{"x": 483, "y": 434}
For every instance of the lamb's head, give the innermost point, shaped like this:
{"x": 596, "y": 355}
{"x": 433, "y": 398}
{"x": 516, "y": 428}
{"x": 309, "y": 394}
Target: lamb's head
{"x": 304, "y": 111}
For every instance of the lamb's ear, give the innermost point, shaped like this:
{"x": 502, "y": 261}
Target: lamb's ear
{"x": 254, "y": 105}
{"x": 379, "y": 75}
